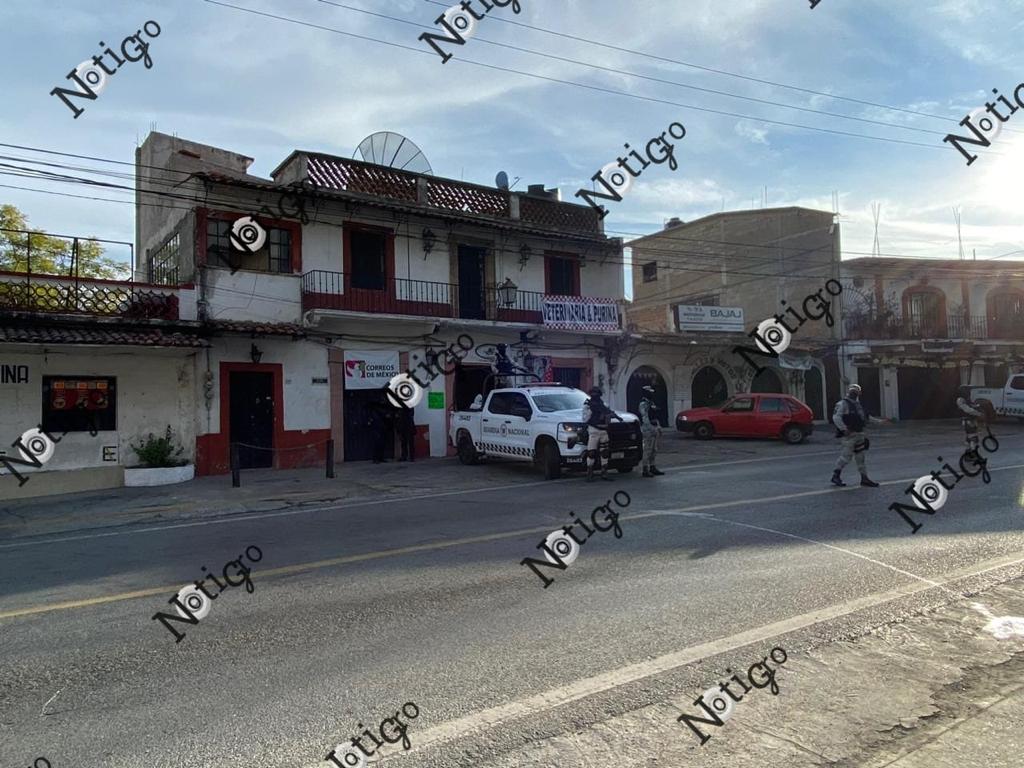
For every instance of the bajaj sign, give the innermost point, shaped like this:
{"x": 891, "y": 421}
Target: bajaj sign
{"x": 697, "y": 318}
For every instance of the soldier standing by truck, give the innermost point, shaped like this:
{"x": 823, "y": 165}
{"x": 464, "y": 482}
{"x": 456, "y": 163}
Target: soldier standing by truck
{"x": 650, "y": 428}
{"x": 596, "y": 416}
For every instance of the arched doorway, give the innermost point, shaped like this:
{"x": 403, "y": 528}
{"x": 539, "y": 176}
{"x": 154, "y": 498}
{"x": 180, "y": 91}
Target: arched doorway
{"x": 709, "y": 388}
{"x": 644, "y": 376}
{"x": 814, "y": 391}
{"x": 766, "y": 381}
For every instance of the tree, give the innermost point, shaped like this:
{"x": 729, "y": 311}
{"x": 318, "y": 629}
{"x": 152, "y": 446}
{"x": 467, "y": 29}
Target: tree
{"x": 51, "y": 255}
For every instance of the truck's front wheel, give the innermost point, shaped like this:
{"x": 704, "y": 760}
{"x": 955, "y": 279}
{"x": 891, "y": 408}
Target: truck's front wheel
{"x": 467, "y": 451}
{"x": 550, "y": 461}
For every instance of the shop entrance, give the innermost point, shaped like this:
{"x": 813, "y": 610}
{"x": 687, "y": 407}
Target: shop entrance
{"x": 366, "y": 412}
{"x": 647, "y": 376}
{"x": 469, "y": 382}
{"x": 251, "y": 417}
{"x": 709, "y": 388}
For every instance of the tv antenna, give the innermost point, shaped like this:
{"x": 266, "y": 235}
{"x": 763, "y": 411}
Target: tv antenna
{"x": 395, "y": 151}
{"x": 876, "y": 211}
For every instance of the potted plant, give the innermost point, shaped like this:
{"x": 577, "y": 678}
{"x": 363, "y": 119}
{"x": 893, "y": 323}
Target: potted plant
{"x": 159, "y": 462}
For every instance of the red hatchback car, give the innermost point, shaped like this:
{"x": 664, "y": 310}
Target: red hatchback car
{"x": 751, "y": 415}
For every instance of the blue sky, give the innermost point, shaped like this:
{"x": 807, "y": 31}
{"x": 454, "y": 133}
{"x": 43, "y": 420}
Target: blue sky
{"x": 263, "y": 87}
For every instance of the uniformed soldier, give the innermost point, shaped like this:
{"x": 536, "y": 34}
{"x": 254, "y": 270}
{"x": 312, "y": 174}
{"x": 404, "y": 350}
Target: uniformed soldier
{"x": 596, "y": 416}
{"x": 850, "y": 418}
{"x": 971, "y": 411}
{"x": 650, "y": 428}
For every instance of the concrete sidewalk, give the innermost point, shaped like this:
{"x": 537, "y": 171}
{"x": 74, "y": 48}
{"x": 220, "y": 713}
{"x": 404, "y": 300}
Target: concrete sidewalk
{"x": 264, "y": 490}
{"x": 934, "y": 691}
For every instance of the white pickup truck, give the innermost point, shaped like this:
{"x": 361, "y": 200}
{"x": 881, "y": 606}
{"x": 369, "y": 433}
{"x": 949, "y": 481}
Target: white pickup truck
{"x": 540, "y": 423}
{"x": 1008, "y": 401}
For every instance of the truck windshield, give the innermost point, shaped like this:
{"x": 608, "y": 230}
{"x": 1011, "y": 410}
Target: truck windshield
{"x": 550, "y": 402}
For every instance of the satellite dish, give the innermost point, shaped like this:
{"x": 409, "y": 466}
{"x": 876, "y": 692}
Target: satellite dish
{"x": 394, "y": 151}
{"x": 501, "y": 180}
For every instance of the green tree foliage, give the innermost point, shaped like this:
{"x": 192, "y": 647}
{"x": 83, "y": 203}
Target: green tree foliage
{"x": 51, "y": 255}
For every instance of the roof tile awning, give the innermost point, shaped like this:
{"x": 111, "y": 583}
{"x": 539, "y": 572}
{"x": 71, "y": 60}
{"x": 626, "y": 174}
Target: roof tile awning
{"x": 136, "y": 337}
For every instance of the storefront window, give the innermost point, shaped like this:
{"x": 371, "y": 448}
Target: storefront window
{"x": 79, "y": 404}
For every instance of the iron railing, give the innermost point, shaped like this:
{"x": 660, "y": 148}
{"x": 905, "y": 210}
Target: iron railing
{"x": 930, "y": 326}
{"x": 26, "y": 292}
{"x": 322, "y": 289}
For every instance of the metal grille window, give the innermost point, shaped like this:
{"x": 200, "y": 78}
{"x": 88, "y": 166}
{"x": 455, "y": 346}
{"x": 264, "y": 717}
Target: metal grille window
{"x": 274, "y": 256}
{"x": 164, "y": 264}
{"x": 704, "y": 301}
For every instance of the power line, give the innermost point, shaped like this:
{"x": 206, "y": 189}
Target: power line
{"x": 642, "y": 77}
{"x": 724, "y": 72}
{"x": 599, "y": 89}
{"x": 673, "y": 236}
{"x": 677, "y": 254}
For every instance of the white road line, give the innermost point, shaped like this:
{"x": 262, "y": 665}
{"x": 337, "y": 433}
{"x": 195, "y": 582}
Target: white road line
{"x": 352, "y": 505}
{"x": 464, "y": 727}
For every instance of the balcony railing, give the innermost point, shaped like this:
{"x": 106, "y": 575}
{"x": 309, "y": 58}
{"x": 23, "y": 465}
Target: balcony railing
{"x": 933, "y": 327}
{"x": 337, "y": 290}
{"x": 448, "y": 194}
{"x": 87, "y": 296}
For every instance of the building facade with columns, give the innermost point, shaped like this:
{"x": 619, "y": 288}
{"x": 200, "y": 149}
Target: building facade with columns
{"x": 916, "y": 329}
{"x": 700, "y": 288}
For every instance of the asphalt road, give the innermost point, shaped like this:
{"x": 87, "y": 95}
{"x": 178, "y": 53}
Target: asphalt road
{"x": 361, "y": 608}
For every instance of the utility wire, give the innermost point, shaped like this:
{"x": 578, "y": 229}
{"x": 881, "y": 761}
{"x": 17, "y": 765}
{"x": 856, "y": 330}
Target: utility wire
{"x": 596, "y": 88}
{"x": 723, "y": 72}
{"x": 674, "y": 236}
{"x": 637, "y": 75}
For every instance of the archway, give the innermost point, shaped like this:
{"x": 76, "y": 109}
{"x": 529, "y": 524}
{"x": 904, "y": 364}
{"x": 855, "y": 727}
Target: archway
{"x": 643, "y": 376}
{"x": 814, "y": 391}
{"x": 766, "y": 381}
{"x": 709, "y": 388}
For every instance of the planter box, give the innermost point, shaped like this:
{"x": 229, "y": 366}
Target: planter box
{"x": 159, "y": 475}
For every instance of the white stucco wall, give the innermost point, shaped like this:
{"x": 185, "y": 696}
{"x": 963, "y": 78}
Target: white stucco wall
{"x": 152, "y": 390}
{"x": 306, "y": 406}
{"x": 255, "y": 296}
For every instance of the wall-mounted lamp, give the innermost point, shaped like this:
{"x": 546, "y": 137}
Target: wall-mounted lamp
{"x": 524, "y": 256}
{"x": 508, "y": 292}
{"x": 256, "y": 354}
{"x": 429, "y": 238}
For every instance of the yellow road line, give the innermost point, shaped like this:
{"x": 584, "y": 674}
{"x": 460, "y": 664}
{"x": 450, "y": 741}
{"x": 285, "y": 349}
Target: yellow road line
{"x": 318, "y": 564}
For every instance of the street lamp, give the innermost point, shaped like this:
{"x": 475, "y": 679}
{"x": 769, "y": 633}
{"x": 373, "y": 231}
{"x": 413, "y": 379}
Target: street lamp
{"x": 508, "y": 292}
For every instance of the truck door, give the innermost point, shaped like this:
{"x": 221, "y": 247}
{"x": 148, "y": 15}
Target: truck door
{"x": 517, "y": 426}
{"x": 1013, "y": 396}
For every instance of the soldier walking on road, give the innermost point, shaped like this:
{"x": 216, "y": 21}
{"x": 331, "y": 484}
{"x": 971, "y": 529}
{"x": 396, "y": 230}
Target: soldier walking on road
{"x": 971, "y": 413}
{"x": 850, "y": 418}
{"x": 650, "y": 428}
{"x": 596, "y": 415}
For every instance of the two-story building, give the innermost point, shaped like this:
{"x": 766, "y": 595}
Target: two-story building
{"x": 700, "y": 288}
{"x": 366, "y": 273}
{"x": 916, "y": 329}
